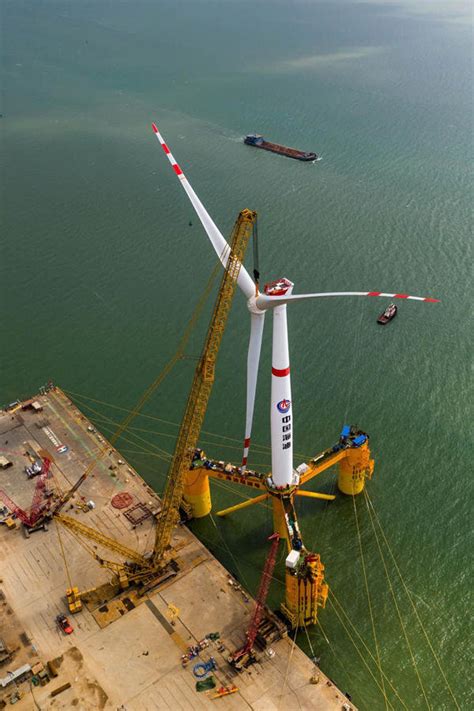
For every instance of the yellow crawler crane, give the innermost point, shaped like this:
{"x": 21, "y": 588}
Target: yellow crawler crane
{"x": 201, "y": 389}
{"x": 149, "y": 570}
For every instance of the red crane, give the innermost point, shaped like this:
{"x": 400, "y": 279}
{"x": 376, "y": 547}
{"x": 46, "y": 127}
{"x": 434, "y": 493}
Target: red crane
{"x": 244, "y": 655}
{"x": 29, "y": 519}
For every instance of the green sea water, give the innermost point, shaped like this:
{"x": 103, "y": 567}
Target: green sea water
{"x": 101, "y": 271}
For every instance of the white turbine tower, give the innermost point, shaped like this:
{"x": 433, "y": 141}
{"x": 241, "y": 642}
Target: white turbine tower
{"x": 276, "y": 296}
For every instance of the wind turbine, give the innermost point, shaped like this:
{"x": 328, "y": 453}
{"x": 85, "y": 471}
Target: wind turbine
{"x": 275, "y": 297}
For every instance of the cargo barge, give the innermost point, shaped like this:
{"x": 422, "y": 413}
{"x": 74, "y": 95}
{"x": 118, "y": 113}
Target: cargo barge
{"x": 259, "y": 142}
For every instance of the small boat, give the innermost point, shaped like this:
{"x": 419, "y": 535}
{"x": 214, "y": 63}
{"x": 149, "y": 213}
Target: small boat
{"x": 389, "y": 313}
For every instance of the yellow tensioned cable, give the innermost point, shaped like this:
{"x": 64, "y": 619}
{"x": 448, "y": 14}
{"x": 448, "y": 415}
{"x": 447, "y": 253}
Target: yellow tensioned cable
{"x": 366, "y": 582}
{"x": 177, "y": 355}
{"x": 132, "y": 434}
{"x": 368, "y": 652}
{"x": 415, "y": 666}
{"x": 131, "y": 431}
{"x": 100, "y": 417}
{"x": 436, "y": 658}
{"x": 354, "y": 629}
{"x": 151, "y": 388}
{"x": 337, "y": 656}
{"x": 161, "y": 453}
{"x": 255, "y": 445}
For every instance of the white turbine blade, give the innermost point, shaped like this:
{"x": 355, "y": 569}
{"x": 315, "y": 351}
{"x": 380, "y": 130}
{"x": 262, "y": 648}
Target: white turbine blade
{"x": 257, "y": 322}
{"x": 218, "y": 241}
{"x": 265, "y": 302}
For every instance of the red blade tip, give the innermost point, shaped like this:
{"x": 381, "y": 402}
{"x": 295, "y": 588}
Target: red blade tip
{"x": 153, "y": 125}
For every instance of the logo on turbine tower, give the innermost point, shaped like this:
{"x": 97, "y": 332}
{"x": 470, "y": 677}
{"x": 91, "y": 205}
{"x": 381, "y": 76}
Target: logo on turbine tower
{"x": 283, "y": 405}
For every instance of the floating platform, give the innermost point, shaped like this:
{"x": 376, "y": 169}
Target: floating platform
{"x": 125, "y": 653}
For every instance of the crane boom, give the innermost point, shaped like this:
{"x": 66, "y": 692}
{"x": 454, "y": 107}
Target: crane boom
{"x": 145, "y": 570}
{"x": 201, "y": 388}
{"x": 244, "y": 655}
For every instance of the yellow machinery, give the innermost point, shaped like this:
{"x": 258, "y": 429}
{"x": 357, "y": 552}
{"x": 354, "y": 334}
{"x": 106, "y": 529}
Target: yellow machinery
{"x": 150, "y": 570}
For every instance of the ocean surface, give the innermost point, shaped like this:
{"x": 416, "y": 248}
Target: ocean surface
{"x": 101, "y": 271}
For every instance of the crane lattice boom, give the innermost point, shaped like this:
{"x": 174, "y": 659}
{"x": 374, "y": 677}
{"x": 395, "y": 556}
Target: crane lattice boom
{"x": 201, "y": 388}
{"x": 265, "y": 581}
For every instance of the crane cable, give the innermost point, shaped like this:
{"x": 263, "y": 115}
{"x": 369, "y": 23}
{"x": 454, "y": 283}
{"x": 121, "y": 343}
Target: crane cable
{"x": 369, "y": 502}
{"x": 366, "y": 582}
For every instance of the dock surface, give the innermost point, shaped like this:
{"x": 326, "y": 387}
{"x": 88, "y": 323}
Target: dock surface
{"x": 127, "y": 654}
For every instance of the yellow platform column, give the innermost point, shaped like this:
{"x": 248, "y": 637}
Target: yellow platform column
{"x": 354, "y": 469}
{"x": 197, "y": 492}
{"x": 279, "y": 524}
{"x": 305, "y": 591}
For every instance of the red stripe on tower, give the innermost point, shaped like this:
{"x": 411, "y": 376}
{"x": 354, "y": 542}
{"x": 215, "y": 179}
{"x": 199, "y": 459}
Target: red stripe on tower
{"x": 153, "y": 125}
{"x": 374, "y": 293}
{"x": 247, "y": 442}
{"x": 432, "y": 301}
{"x": 401, "y": 296}
{"x": 244, "y": 461}
{"x": 165, "y": 148}
{"x": 177, "y": 169}
{"x": 280, "y": 373}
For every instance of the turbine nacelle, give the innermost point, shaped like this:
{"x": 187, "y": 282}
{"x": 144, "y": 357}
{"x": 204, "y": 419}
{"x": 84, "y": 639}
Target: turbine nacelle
{"x": 280, "y": 287}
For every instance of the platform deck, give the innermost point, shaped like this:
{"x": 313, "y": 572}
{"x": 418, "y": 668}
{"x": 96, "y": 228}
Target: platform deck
{"x": 114, "y": 660}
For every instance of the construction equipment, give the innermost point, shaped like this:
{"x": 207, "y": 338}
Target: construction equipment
{"x": 148, "y": 571}
{"x": 31, "y": 519}
{"x": 201, "y": 669}
{"x": 245, "y": 656}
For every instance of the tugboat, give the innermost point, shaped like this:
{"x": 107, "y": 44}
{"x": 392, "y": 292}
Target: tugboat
{"x": 389, "y": 313}
{"x": 259, "y": 142}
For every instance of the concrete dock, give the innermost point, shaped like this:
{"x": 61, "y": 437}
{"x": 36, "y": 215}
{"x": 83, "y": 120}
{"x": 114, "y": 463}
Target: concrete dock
{"x": 126, "y": 654}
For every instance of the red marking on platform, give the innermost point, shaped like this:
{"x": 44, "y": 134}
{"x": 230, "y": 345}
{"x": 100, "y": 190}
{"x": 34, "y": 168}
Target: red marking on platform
{"x": 165, "y": 148}
{"x": 432, "y": 301}
{"x": 177, "y": 169}
{"x": 247, "y": 442}
{"x": 153, "y": 125}
{"x": 401, "y": 296}
{"x": 374, "y": 293}
{"x": 280, "y": 373}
